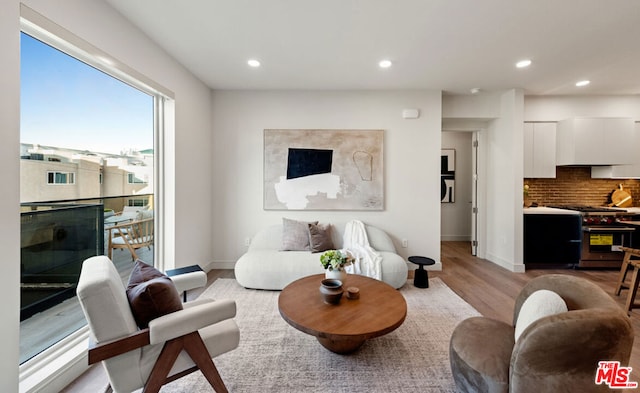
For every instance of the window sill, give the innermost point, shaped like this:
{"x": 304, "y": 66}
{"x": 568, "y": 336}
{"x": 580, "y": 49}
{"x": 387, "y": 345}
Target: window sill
{"x": 57, "y": 366}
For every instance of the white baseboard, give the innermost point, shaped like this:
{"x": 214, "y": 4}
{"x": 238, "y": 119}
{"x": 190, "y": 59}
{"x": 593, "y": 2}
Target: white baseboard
{"x": 229, "y": 265}
{"x": 519, "y": 268}
{"x": 219, "y": 265}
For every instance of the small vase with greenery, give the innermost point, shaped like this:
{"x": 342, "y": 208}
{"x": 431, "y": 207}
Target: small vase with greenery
{"x": 336, "y": 259}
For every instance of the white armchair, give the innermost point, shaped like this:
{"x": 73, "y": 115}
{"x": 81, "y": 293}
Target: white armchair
{"x": 172, "y": 346}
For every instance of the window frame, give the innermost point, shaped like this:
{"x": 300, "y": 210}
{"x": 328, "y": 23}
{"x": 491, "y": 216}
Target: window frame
{"x": 67, "y": 359}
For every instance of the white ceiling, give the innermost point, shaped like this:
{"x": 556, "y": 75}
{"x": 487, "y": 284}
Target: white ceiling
{"x": 449, "y": 45}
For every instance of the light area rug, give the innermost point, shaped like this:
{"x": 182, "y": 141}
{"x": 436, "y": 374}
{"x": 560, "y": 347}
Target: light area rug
{"x": 275, "y": 357}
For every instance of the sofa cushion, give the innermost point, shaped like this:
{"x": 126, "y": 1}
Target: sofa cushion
{"x": 320, "y": 237}
{"x": 295, "y": 235}
{"x": 151, "y": 294}
{"x": 539, "y": 304}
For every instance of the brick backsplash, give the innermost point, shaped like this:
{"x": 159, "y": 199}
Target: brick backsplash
{"x": 574, "y": 186}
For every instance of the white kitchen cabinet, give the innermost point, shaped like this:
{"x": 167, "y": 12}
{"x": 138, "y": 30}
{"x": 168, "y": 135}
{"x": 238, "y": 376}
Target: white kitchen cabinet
{"x": 622, "y": 171}
{"x": 595, "y": 141}
{"x": 539, "y": 150}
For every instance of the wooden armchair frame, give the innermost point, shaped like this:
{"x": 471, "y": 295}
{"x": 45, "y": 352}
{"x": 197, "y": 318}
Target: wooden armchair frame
{"x": 192, "y": 343}
{"x": 131, "y": 236}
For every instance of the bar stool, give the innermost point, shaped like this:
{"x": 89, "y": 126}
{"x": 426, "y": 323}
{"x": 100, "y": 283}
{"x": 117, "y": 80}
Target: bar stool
{"x": 632, "y": 286}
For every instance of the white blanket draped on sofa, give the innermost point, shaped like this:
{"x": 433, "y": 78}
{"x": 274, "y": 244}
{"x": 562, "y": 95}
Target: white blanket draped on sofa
{"x": 367, "y": 260}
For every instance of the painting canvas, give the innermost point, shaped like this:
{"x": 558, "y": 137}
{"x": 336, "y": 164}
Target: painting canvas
{"x": 323, "y": 169}
{"x": 448, "y": 176}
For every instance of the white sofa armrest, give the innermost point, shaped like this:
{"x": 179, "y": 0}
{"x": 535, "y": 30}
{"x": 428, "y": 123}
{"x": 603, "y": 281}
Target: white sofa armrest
{"x": 190, "y": 320}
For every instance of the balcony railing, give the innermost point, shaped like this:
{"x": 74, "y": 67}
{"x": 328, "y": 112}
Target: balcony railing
{"x": 56, "y": 238}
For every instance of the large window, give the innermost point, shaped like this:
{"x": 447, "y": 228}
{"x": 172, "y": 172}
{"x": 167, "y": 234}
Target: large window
{"x": 80, "y": 126}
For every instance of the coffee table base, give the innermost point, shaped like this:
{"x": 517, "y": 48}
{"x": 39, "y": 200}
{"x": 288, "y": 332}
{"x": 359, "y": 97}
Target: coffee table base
{"x": 341, "y": 346}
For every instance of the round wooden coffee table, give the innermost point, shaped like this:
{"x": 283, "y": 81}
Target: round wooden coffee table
{"x": 344, "y": 327}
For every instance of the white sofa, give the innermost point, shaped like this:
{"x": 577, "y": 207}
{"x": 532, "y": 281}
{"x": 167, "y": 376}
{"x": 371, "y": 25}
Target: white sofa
{"x": 264, "y": 266}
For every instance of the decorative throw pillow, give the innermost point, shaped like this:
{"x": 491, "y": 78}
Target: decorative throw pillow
{"x": 151, "y": 294}
{"x": 295, "y": 235}
{"x": 142, "y": 272}
{"x": 320, "y": 237}
{"x": 539, "y": 304}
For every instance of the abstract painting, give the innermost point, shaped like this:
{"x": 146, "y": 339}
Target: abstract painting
{"x": 323, "y": 170}
{"x": 448, "y": 176}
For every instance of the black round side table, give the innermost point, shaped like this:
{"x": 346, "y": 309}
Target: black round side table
{"x": 421, "y": 277}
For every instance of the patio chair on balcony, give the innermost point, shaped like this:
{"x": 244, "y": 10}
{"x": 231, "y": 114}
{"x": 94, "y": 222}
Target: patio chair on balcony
{"x": 132, "y": 211}
{"x": 131, "y": 236}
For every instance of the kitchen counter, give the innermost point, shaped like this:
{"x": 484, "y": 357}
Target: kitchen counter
{"x": 548, "y": 210}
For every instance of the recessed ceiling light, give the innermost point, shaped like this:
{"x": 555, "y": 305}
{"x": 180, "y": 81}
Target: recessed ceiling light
{"x": 475, "y": 90}
{"x": 385, "y": 63}
{"x": 523, "y": 63}
{"x": 582, "y": 83}
{"x": 253, "y": 63}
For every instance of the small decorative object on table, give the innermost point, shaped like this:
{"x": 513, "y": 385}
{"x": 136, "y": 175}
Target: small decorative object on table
{"x": 353, "y": 293}
{"x": 331, "y": 291}
{"x": 334, "y": 261}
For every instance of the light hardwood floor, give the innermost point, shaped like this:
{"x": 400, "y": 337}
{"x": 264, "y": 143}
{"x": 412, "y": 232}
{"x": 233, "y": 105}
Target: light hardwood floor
{"x": 487, "y": 287}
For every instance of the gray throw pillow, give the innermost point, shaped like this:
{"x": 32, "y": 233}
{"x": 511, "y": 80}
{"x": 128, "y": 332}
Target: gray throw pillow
{"x": 295, "y": 235}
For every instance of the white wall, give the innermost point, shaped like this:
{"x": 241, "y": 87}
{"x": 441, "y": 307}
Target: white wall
{"x": 10, "y": 195}
{"x": 411, "y": 161}
{"x": 456, "y": 217}
{"x": 504, "y": 183}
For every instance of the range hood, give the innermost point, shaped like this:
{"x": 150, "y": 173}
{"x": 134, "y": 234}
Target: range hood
{"x": 590, "y": 141}
{"x": 616, "y": 172}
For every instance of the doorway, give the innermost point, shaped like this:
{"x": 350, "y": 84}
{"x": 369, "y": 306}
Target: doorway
{"x": 459, "y": 211}
{"x": 456, "y": 206}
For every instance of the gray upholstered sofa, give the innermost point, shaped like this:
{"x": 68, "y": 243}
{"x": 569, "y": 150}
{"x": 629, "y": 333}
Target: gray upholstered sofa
{"x": 556, "y": 353}
{"x": 264, "y": 266}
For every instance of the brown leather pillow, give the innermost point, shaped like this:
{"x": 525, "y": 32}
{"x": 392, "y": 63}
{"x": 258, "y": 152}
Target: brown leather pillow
{"x": 320, "y": 237}
{"x": 151, "y": 294}
{"x": 142, "y": 272}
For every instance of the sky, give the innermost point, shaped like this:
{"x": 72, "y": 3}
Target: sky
{"x": 67, "y": 103}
